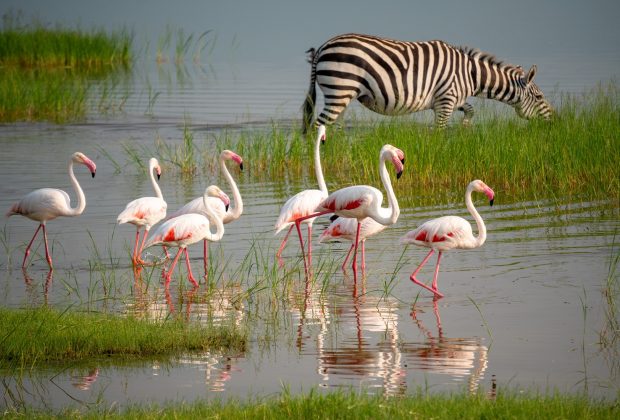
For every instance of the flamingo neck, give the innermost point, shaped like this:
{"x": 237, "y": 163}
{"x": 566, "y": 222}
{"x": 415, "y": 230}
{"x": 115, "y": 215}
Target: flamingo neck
{"x": 81, "y": 199}
{"x": 389, "y": 215}
{"x": 154, "y": 183}
{"x": 237, "y": 210}
{"x": 219, "y": 224}
{"x": 317, "y": 162}
{"x": 482, "y": 229}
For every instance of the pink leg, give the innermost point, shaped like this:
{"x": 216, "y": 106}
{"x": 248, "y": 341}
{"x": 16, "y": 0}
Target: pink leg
{"x": 344, "y": 264}
{"x": 434, "y": 284}
{"x": 357, "y": 241}
{"x": 310, "y": 244}
{"x": 48, "y": 257}
{"x": 205, "y": 255}
{"x": 134, "y": 255}
{"x": 30, "y": 245}
{"x": 301, "y": 243}
{"x": 279, "y": 253}
{"x": 416, "y": 281}
{"x": 139, "y": 255}
{"x": 363, "y": 256}
{"x": 189, "y": 270}
{"x": 168, "y": 275}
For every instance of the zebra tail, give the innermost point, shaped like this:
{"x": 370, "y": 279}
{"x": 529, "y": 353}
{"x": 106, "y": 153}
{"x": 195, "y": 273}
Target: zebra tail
{"x": 308, "y": 105}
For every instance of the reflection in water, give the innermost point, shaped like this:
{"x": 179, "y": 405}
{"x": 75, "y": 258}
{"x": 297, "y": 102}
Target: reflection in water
{"x": 457, "y": 357}
{"x": 30, "y": 286}
{"x": 84, "y": 382}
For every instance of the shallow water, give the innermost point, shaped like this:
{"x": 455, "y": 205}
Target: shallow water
{"x": 524, "y": 311}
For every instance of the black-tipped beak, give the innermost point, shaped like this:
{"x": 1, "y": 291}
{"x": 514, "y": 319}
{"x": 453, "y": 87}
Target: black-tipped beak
{"x": 158, "y": 175}
{"x": 333, "y": 217}
{"x": 491, "y": 202}
{"x": 93, "y": 174}
{"x": 402, "y": 161}
{"x": 227, "y": 205}
{"x": 398, "y": 175}
{"x": 241, "y": 166}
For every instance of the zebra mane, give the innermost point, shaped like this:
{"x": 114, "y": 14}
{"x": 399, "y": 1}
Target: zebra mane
{"x": 489, "y": 58}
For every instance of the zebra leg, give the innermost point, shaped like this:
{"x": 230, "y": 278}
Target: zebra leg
{"x": 443, "y": 111}
{"x": 468, "y": 110}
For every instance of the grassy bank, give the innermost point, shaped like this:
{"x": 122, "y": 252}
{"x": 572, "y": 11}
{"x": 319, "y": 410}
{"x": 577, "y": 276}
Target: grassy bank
{"x": 341, "y": 405}
{"x": 45, "y": 74}
{"x": 577, "y": 154}
{"x": 34, "y": 336}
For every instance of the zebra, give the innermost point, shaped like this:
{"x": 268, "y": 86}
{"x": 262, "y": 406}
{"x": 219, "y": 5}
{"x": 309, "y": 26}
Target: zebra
{"x": 393, "y": 77}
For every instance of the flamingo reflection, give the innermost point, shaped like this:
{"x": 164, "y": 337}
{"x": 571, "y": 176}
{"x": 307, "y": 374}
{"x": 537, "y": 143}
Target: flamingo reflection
{"x": 457, "y": 357}
{"x": 29, "y": 282}
{"x": 85, "y": 382}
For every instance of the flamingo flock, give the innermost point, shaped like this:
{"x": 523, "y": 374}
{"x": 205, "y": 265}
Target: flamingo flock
{"x": 357, "y": 214}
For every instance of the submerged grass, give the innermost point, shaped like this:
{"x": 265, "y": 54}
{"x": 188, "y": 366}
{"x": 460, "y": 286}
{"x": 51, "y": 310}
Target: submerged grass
{"x": 34, "y": 336}
{"x": 348, "y": 405}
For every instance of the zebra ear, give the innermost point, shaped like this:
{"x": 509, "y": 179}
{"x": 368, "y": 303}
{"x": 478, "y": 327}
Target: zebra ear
{"x": 531, "y": 74}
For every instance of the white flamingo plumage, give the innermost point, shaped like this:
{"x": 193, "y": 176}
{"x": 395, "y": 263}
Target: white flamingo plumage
{"x": 361, "y": 201}
{"x": 303, "y": 204}
{"x": 145, "y": 212}
{"x": 47, "y": 204}
{"x": 187, "y": 229}
{"x": 346, "y": 228}
{"x": 219, "y": 205}
{"x": 449, "y": 232}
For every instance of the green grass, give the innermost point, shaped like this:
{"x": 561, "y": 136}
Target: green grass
{"x": 34, "y": 336}
{"x": 341, "y": 405}
{"x": 576, "y": 155}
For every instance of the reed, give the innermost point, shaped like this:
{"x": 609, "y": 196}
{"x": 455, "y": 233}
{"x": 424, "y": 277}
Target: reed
{"x": 341, "y": 405}
{"x": 33, "y": 336}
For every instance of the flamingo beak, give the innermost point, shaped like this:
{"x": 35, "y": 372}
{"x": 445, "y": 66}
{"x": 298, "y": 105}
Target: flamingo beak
{"x": 398, "y": 175}
{"x": 491, "y": 202}
{"x": 158, "y": 175}
{"x": 93, "y": 174}
{"x": 241, "y": 166}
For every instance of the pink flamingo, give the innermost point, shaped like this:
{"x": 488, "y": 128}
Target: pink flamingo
{"x": 185, "y": 230}
{"x": 144, "y": 212}
{"x": 449, "y": 232}
{"x": 303, "y": 204}
{"x": 361, "y": 201}
{"x": 47, "y": 204}
{"x": 219, "y": 205}
{"x": 346, "y": 228}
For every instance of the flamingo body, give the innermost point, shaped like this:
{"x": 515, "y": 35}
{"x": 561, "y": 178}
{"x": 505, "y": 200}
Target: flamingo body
{"x": 47, "y": 204}
{"x": 449, "y": 232}
{"x": 185, "y": 230}
{"x": 145, "y": 211}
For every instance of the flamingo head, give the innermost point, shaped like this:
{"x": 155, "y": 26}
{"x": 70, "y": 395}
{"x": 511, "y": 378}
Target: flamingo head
{"x": 215, "y": 191}
{"x": 230, "y": 155}
{"x": 79, "y": 157}
{"x": 154, "y": 166}
{"x": 397, "y": 157}
{"x": 480, "y": 186}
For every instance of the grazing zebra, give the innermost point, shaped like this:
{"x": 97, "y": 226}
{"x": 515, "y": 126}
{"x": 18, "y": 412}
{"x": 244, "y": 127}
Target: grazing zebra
{"x": 395, "y": 77}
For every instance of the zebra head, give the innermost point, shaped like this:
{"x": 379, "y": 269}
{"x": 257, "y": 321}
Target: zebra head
{"x": 529, "y": 99}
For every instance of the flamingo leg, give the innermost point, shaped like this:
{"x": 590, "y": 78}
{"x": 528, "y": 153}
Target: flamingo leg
{"x": 419, "y": 283}
{"x": 357, "y": 241}
{"x": 190, "y": 275}
{"x": 279, "y": 253}
{"x": 30, "y": 245}
{"x": 139, "y": 254}
{"x": 168, "y": 275}
{"x": 301, "y": 243}
{"x": 134, "y": 256}
{"x": 48, "y": 257}
{"x": 363, "y": 256}
{"x": 434, "y": 285}
{"x": 347, "y": 257}
{"x": 310, "y": 244}
{"x": 205, "y": 255}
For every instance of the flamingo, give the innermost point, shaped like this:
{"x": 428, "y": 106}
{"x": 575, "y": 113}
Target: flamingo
{"x": 345, "y": 227}
{"x": 449, "y": 232}
{"x": 303, "y": 204}
{"x": 219, "y": 205}
{"x": 361, "y": 201}
{"x": 144, "y": 211}
{"x": 185, "y": 230}
{"x": 47, "y": 204}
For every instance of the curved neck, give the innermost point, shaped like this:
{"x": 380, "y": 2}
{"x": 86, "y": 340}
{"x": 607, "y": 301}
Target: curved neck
{"x": 219, "y": 224}
{"x": 154, "y": 182}
{"x": 482, "y": 229}
{"x": 317, "y": 163}
{"x": 81, "y": 199}
{"x": 236, "y": 211}
{"x": 389, "y": 215}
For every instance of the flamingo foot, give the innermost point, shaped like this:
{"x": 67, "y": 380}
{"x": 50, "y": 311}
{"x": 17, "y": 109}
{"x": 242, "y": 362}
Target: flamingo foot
{"x": 437, "y": 293}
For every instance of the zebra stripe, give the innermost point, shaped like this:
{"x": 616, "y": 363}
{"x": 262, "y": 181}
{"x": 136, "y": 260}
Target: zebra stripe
{"x": 394, "y": 77}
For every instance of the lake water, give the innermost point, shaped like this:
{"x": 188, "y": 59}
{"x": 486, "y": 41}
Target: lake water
{"x": 526, "y": 311}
